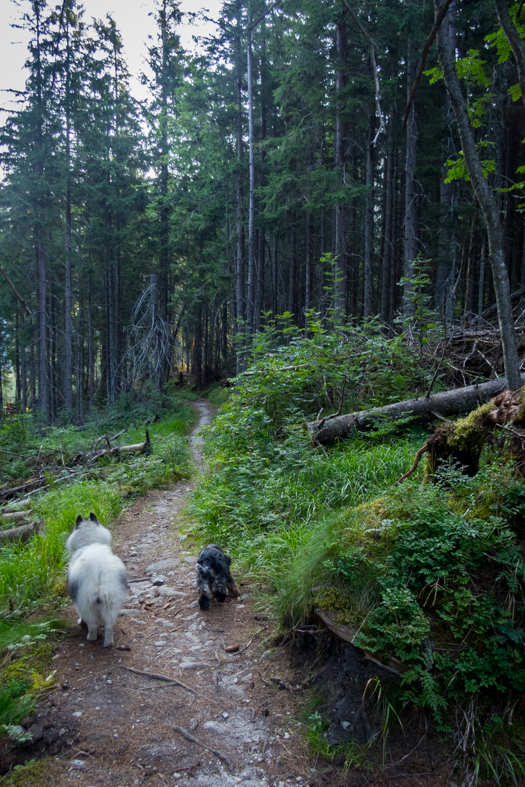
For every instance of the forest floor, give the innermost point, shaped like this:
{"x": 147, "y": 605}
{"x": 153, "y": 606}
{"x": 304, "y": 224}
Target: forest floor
{"x": 225, "y": 722}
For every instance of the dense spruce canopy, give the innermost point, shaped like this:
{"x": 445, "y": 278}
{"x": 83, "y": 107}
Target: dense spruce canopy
{"x": 270, "y": 173}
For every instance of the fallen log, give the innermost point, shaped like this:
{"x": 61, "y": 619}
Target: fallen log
{"x": 16, "y": 505}
{"x": 19, "y": 533}
{"x": 14, "y": 516}
{"x": 90, "y": 457}
{"x": 7, "y": 492}
{"x": 444, "y": 404}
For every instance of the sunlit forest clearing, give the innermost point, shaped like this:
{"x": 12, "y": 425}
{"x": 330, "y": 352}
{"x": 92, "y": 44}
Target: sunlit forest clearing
{"x": 315, "y": 224}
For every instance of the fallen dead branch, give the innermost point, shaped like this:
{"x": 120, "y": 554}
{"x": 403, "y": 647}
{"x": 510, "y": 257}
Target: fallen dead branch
{"x": 90, "y": 457}
{"x": 241, "y": 650}
{"x": 14, "y": 516}
{"x": 21, "y": 533}
{"x": 7, "y": 493}
{"x": 417, "y": 460}
{"x": 167, "y": 679}
{"x": 189, "y": 737}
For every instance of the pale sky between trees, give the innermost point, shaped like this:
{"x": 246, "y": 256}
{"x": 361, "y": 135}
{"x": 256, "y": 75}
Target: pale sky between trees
{"x": 132, "y": 18}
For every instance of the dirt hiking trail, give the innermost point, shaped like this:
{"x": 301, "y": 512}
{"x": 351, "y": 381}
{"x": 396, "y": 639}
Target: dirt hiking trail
{"x": 214, "y": 717}
{"x": 108, "y": 725}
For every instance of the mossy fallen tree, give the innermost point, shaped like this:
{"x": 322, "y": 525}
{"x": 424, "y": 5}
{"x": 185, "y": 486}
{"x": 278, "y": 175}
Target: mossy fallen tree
{"x": 426, "y": 408}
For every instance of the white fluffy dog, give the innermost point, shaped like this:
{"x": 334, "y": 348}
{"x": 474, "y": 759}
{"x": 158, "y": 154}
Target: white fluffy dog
{"x": 96, "y": 578}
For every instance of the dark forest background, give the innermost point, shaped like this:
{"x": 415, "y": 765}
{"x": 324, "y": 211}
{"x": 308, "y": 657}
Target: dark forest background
{"x": 272, "y": 174}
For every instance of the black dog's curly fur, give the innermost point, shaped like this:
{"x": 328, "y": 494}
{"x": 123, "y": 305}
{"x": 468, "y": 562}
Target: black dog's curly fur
{"x": 213, "y": 576}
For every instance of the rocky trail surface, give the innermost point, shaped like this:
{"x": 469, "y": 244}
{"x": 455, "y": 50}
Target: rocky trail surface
{"x": 214, "y": 718}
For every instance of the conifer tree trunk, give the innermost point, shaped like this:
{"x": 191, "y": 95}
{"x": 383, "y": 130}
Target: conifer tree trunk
{"x": 443, "y": 291}
{"x": 40, "y": 253}
{"x": 387, "y": 273}
{"x": 292, "y": 285}
{"x": 67, "y": 376}
{"x": 23, "y": 365}
{"x": 18, "y": 381}
{"x": 274, "y": 275}
{"x": 259, "y": 290}
{"x": 239, "y": 230}
{"x": 308, "y": 267}
{"x": 369, "y": 226}
{"x": 251, "y": 196}
{"x": 43, "y": 356}
{"x": 410, "y": 244}
{"x": 487, "y": 202}
{"x": 340, "y": 143}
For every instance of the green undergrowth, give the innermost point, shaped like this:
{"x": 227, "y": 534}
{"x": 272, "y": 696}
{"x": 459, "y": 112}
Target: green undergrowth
{"x": 431, "y": 575}
{"x": 26, "y": 651}
{"x": 217, "y": 394}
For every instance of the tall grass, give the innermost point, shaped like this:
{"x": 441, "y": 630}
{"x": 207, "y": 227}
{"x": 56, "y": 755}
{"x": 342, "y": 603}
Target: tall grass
{"x": 271, "y": 513}
{"x": 29, "y": 571}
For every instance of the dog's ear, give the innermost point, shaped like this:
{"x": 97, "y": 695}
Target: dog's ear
{"x": 93, "y": 518}
{"x": 79, "y": 520}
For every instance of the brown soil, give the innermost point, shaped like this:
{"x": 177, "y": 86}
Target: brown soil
{"x": 107, "y": 725}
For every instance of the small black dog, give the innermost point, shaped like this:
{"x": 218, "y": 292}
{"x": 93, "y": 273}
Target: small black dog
{"x": 213, "y": 576}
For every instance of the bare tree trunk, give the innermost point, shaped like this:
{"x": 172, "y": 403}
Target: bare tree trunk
{"x": 23, "y": 365}
{"x": 410, "y": 246}
{"x": 197, "y": 346}
{"x": 341, "y": 283}
{"x": 444, "y": 287}
{"x": 308, "y": 267}
{"x": 239, "y": 230}
{"x": 67, "y": 381}
{"x": 18, "y": 386}
{"x": 292, "y": 284}
{"x": 91, "y": 354}
{"x": 67, "y": 372}
{"x": 468, "y": 305}
{"x": 388, "y": 242}
{"x": 259, "y": 290}
{"x": 369, "y": 226}
{"x": 251, "y": 198}
{"x": 487, "y": 202}
{"x": 80, "y": 364}
{"x": 43, "y": 356}
{"x": 52, "y": 344}
{"x": 274, "y": 275}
